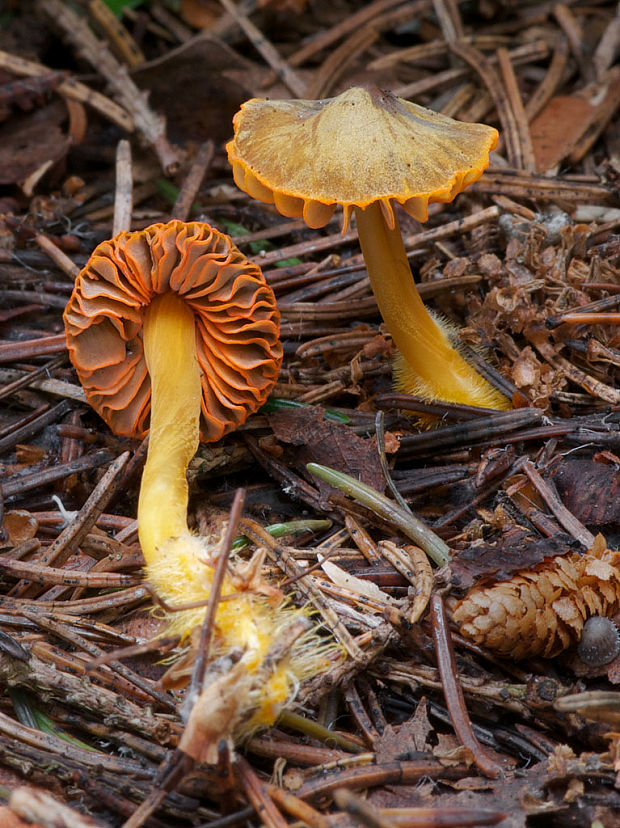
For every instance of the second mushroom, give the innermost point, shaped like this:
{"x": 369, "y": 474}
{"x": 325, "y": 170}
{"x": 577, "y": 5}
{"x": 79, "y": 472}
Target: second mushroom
{"x": 364, "y": 150}
{"x": 173, "y": 329}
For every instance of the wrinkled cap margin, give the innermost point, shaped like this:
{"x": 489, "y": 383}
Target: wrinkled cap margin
{"x": 237, "y": 324}
{"x": 363, "y": 146}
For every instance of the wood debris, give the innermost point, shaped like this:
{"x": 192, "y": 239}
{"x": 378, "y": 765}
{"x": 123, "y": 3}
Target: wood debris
{"x": 468, "y": 669}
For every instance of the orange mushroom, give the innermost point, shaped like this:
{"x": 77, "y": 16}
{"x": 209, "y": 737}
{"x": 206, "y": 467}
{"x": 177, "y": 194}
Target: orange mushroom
{"x": 365, "y": 149}
{"x": 175, "y": 322}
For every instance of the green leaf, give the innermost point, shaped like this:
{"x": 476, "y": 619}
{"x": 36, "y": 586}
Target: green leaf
{"x": 118, "y": 6}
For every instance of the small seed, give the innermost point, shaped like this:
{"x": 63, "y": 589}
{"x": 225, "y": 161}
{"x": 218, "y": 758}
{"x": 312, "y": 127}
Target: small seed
{"x": 600, "y": 641}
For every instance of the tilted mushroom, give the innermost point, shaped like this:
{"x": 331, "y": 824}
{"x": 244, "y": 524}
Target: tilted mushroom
{"x": 363, "y": 150}
{"x": 175, "y": 322}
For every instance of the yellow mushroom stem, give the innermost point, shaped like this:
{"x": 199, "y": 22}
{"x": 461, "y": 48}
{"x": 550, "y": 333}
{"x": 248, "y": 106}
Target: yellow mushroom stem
{"x": 429, "y": 366}
{"x": 170, "y": 352}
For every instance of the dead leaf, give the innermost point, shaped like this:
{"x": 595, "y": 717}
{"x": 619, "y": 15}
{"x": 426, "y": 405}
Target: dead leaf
{"x": 329, "y": 443}
{"x": 29, "y": 141}
{"x": 569, "y": 124}
{"x": 590, "y": 490}
{"x": 407, "y": 740}
{"x": 515, "y": 550}
{"x": 20, "y": 526}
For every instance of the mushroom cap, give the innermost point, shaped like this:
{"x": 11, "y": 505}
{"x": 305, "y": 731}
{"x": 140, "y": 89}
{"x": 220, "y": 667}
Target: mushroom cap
{"x": 237, "y": 324}
{"x": 363, "y": 146}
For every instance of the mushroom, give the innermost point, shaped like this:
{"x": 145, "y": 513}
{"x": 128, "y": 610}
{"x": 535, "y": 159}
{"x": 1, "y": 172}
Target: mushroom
{"x": 174, "y": 321}
{"x": 365, "y": 149}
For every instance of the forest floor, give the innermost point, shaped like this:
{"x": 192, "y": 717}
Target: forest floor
{"x": 111, "y": 123}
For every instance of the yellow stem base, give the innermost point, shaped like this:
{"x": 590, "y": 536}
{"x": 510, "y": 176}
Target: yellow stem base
{"x": 429, "y": 365}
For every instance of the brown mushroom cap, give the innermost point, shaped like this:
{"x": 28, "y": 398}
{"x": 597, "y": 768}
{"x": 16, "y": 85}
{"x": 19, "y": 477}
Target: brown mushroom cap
{"x": 237, "y": 324}
{"x": 363, "y": 146}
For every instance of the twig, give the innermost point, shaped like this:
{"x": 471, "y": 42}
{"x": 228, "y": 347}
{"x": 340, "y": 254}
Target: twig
{"x": 71, "y": 537}
{"x": 80, "y": 642}
{"x": 258, "y": 796}
{"x": 508, "y": 118}
{"x": 526, "y": 150}
{"x": 566, "y": 518}
{"x": 18, "y": 484}
{"x": 453, "y": 692}
{"x": 28, "y": 377}
{"x": 208, "y": 624}
{"x": 123, "y": 193}
{"x": 361, "y": 810}
{"x": 482, "y": 428}
{"x": 380, "y": 434}
{"x": 351, "y": 23}
{"x": 540, "y": 340}
{"x": 121, "y": 41}
{"x": 290, "y": 78}
{"x": 44, "y": 419}
{"x": 72, "y": 89}
{"x": 96, "y": 52}
{"x": 185, "y": 199}
{"x": 547, "y": 87}
{"x": 57, "y": 255}
{"x": 45, "y": 345}
{"x": 450, "y": 22}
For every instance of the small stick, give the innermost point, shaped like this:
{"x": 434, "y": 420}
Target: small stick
{"x": 19, "y": 484}
{"x": 43, "y": 419}
{"x": 71, "y": 537}
{"x": 281, "y": 556}
{"x": 466, "y": 433}
{"x": 453, "y": 692}
{"x": 258, "y": 796}
{"x": 123, "y": 194}
{"x": 380, "y": 432}
{"x": 486, "y": 71}
{"x": 528, "y": 161}
{"x": 540, "y": 340}
{"x": 72, "y": 89}
{"x": 589, "y": 319}
{"x": 351, "y": 23}
{"x": 121, "y": 41}
{"x": 183, "y": 205}
{"x": 362, "y": 811}
{"x": 151, "y": 125}
{"x": 26, "y": 379}
{"x": 360, "y": 716}
{"x": 80, "y": 642}
{"x": 206, "y": 632}
{"x": 290, "y": 78}
{"x": 46, "y": 575}
{"x": 546, "y": 89}
{"x": 566, "y": 518}
{"x": 528, "y": 53}
{"x": 450, "y": 22}
{"x": 57, "y": 255}
{"x": 297, "y": 808}
{"x": 12, "y": 351}
{"x": 168, "y": 775}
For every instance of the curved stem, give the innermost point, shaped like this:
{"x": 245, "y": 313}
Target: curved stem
{"x": 170, "y": 352}
{"x": 431, "y": 365}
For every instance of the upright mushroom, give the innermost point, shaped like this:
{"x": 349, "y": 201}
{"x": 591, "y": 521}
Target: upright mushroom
{"x": 175, "y": 322}
{"x": 363, "y": 150}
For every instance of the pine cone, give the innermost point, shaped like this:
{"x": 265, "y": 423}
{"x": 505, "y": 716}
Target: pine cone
{"x": 541, "y": 611}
